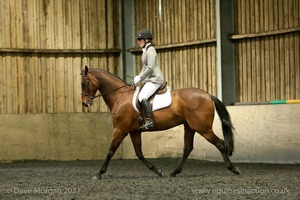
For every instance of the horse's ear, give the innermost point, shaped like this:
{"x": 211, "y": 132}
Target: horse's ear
{"x": 86, "y": 70}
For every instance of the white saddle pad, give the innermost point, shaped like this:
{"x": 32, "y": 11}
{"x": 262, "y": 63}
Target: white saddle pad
{"x": 160, "y": 100}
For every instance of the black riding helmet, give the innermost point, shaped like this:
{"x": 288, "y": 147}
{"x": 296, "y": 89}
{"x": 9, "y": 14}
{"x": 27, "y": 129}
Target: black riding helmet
{"x": 144, "y": 34}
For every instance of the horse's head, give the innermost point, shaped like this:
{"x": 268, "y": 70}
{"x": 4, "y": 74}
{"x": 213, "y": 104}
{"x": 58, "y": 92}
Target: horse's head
{"x": 89, "y": 87}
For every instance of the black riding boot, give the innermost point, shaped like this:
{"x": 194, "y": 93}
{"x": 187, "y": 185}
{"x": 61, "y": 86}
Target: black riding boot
{"x": 146, "y": 107}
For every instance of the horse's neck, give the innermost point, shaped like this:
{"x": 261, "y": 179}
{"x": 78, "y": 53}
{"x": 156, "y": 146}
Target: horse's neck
{"x": 111, "y": 90}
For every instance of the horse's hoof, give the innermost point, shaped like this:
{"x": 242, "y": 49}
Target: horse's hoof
{"x": 96, "y": 178}
{"x": 236, "y": 170}
{"x": 160, "y": 172}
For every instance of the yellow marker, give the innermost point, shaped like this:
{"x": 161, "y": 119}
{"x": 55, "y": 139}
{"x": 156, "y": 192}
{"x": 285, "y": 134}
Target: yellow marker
{"x": 293, "y": 101}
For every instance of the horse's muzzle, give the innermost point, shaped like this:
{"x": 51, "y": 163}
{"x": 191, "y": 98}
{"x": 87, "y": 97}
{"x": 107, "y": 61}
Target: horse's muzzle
{"x": 88, "y": 103}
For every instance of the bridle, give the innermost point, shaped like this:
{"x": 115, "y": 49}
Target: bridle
{"x": 91, "y": 98}
{"x": 100, "y": 95}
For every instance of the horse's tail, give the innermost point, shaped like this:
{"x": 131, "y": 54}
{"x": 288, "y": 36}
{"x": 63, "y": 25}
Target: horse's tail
{"x": 227, "y": 126}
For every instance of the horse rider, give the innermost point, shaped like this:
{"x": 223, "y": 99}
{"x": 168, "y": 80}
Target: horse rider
{"x": 150, "y": 75}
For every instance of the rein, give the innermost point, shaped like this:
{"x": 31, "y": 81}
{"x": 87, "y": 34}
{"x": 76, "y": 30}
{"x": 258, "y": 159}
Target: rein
{"x": 100, "y": 95}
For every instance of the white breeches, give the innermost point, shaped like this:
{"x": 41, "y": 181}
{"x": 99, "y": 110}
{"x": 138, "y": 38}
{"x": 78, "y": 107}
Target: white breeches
{"x": 148, "y": 90}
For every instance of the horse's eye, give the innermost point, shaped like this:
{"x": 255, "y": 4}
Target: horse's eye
{"x": 85, "y": 84}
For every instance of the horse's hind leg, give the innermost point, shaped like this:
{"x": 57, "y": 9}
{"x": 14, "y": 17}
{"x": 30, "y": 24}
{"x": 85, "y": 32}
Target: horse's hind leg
{"x": 188, "y": 147}
{"x": 137, "y": 144}
{"x": 220, "y": 144}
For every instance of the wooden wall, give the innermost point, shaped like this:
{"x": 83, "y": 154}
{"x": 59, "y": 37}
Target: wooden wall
{"x": 184, "y": 34}
{"x": 267, "y": 40}
{"x": 43, "y": 44}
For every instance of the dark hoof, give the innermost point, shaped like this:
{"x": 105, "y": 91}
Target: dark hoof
{"x": 174, "y": 173}
{"x": 235, "y": 170}
{"x": 160, "y": 173}
{"x": 96, "y": 178}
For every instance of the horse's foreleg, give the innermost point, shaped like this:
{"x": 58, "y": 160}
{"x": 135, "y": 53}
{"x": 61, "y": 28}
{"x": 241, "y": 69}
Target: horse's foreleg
{"x": 220, "y": 144}
{"x": 188, "y": 147}
{"x": 137, "y": 144}
{"x": 118, "y": 137}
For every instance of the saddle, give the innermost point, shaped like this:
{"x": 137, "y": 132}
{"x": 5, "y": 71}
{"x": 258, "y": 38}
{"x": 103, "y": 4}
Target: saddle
{"x": 160, "y": 99}
{"x": 161, "y": 90}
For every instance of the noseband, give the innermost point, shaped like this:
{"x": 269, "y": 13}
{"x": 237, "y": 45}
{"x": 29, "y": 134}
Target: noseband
{"x": 90, "y": 96}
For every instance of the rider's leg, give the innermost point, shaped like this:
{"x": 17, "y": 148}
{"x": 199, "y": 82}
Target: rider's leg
{"x": 148, "y": 90}
{"x": 148, "y": 115}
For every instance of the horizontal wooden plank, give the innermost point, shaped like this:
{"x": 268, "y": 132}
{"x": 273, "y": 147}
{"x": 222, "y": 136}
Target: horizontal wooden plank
{"x": 177, "y": 45}
{"x": 58, "y": 51}
{"x": 263, "y": 34}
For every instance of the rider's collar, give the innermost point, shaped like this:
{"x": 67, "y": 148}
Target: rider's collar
{"x": 146, "y": 47}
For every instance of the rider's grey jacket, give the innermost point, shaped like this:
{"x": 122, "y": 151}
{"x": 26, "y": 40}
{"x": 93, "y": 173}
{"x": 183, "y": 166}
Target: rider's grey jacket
{"x": 151, "y": 71}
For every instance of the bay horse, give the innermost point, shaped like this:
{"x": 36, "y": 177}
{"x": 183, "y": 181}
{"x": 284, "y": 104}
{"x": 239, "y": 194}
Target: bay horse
{"x": 191, "y": 107}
